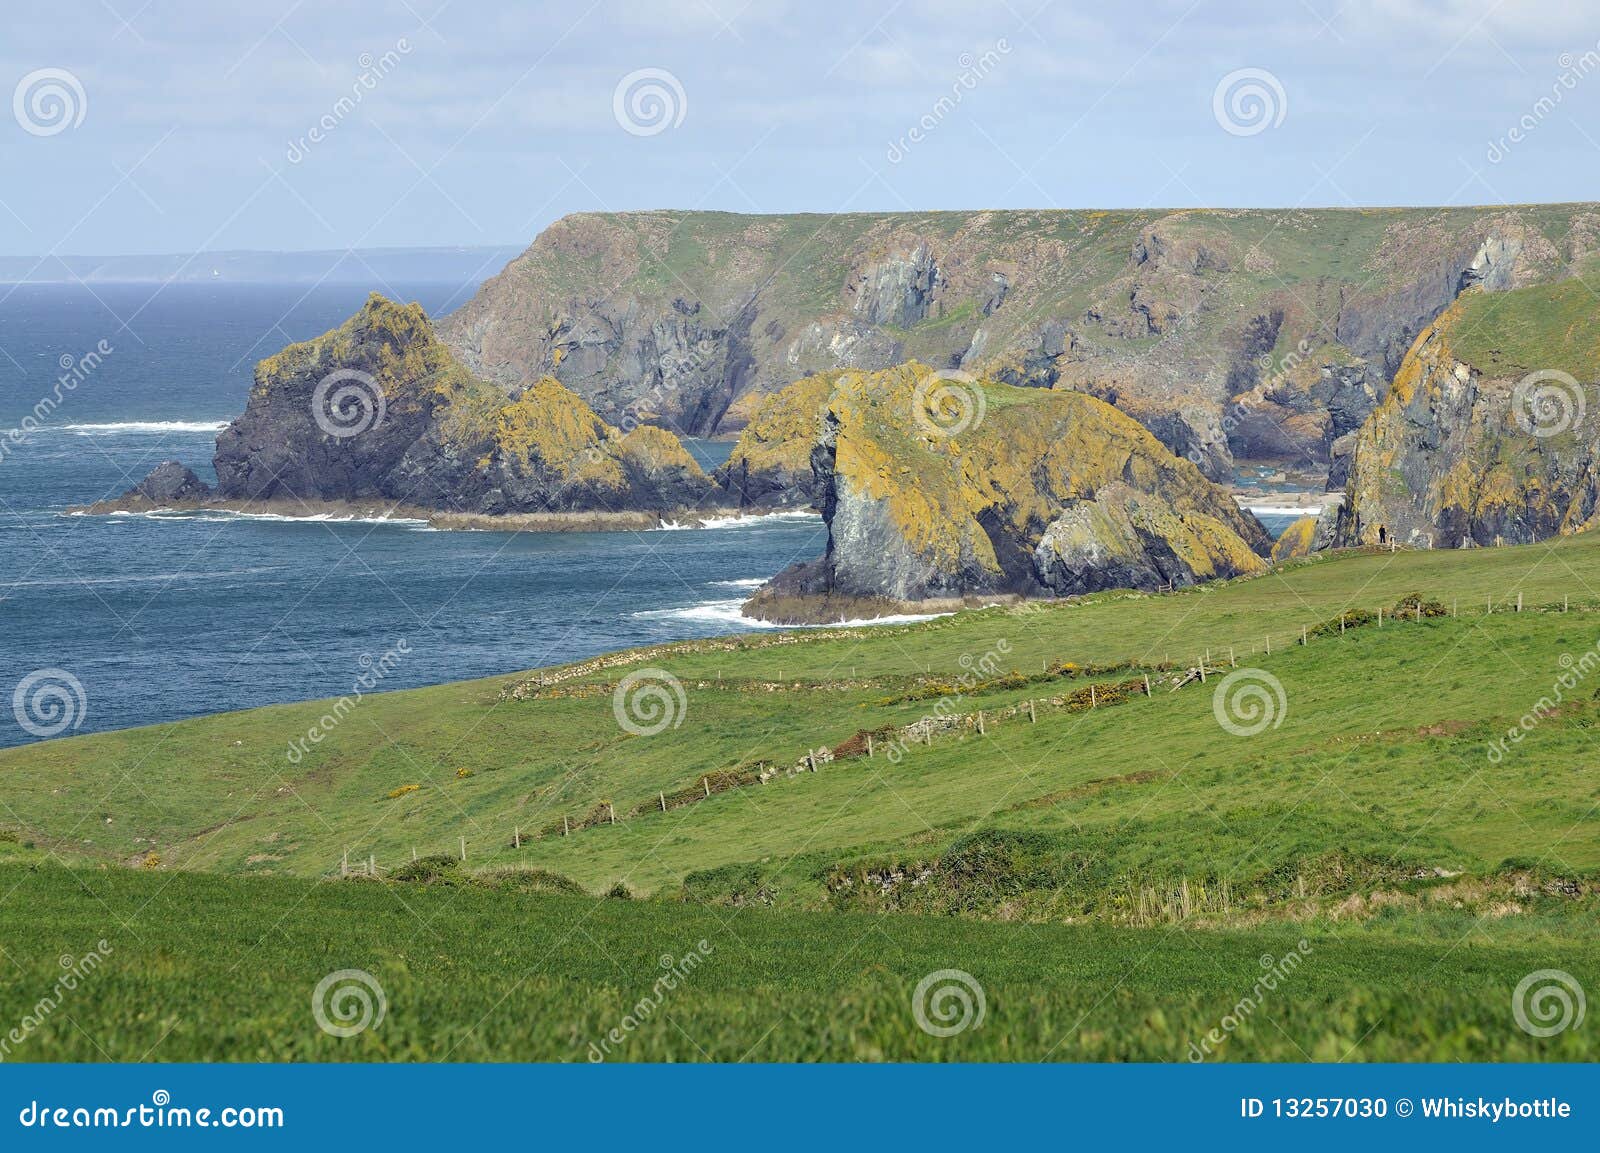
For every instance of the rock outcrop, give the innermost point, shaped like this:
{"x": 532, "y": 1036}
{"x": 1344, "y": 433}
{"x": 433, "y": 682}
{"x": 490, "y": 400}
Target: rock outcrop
{"x": 1257, "y": 335}
{"x": 170, "y": 485}
{"x": 1490, "y": 434}
{"x": 936, "y": 487}
{"x": 380, "y": 409}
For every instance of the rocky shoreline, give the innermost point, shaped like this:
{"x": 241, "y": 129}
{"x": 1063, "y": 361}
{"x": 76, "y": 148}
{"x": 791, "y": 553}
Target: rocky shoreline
{"x": 444, "y": 520}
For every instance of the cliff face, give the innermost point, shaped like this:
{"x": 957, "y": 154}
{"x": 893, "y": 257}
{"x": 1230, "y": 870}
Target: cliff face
{"x": 1490, "y": 432}
{"x": 936, "y": 487}
{"x": 380, "y": 408}
{"x": 1263, "y": 335}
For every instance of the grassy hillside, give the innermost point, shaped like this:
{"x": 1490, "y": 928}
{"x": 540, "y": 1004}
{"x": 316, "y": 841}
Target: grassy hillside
{"x": 228, "y": 793}
{"x": 1111, "y": 868}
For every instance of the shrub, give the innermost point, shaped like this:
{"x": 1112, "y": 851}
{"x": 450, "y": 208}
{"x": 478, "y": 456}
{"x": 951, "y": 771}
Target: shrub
{"x": 439, "y": 868}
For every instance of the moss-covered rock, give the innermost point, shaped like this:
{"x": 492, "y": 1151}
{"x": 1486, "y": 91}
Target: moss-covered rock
{"x": 1490, "y": 431}
{"x": 771, "y": 463}
{"x": 380, "y": 408}
{"x": 939, "y": 486}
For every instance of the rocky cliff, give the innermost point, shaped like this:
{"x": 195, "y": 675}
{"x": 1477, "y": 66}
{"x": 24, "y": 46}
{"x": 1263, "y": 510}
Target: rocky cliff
{"x": 380, "y": 409}
{"x": 943, "y": 486}
{"x": 1259, "y": 335}
{"x": 1490, "y": 434}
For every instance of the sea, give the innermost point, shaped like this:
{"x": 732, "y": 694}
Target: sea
{"x": 130, "y": 620}
{"x": 109, "y": 622}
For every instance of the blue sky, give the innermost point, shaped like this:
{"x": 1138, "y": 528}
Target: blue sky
{"x": 176, "y": 126}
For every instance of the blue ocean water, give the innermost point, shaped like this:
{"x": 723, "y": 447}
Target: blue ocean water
{"x": 166, "y": 617}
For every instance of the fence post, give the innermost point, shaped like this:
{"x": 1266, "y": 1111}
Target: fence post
{"x": 1563, "y": 602}
{"x": 1232, "y": 663}
{"x": 1033, "y": 716}
{"x": 1303, "y": 640}
{"x": 869, "y": 746}
{"x": 1202, "y": 670}
{"x": 1146, "y": 684}
{"x": 980, "y": 723}
{"x": 1092, "y": 702}
{"x": 1341, "y": 624}
{"x": 1269, "y": 645}
{"x": 1380, "y": 616}
{"x": 612, "y": 809}
{"x": 663, "y": 797}
{"x": 516, "y": 836}
{"x": 463, "y": 848}
{"x": 566, "y": 829}
{"x": 706, "y": 784}
{"x": 1519, "y": 602}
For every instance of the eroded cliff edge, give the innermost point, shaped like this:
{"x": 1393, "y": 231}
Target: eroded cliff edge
{"x": 1261, "y": 335}
{"x": 1491, "y": 433}
{"x": 937, "y": 488}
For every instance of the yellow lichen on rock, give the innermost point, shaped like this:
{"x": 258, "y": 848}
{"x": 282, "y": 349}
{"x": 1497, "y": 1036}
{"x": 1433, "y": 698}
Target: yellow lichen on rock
{"x": 1296, "y": 540}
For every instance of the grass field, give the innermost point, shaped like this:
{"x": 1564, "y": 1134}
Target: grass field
{"x": 224, "y": 968}
{"x": 1112, "y": 875}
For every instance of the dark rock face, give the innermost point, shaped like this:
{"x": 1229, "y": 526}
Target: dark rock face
{"x": 380, "y": 409}
{"x": 170, "y": 483}
{"x": 899, "y": 290}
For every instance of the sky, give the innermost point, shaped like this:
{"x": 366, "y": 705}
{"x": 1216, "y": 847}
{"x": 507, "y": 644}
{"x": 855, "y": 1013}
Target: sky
{"x": 149, "y": 126}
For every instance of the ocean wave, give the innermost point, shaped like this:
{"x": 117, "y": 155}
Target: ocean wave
{"x": 146, "y": 426}
{"x": 1282, "y": 510}
{"x": 740, "y": 520}
{"x": 728, "y": 612}
{"x": 744, "y": 583}
{"x": 222, "y": 515}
